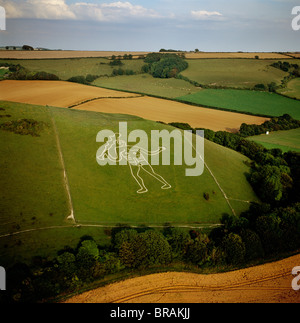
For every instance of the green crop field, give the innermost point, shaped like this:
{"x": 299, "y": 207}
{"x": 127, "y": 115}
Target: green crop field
{"x": 145, "y": 83}
{"x": 66, "y": 68}
{"x": 35, "y": 202}
{"x": 293, "y": 89}
{"x": 288, "y": 140}
{"x": 243, "y": 73}
{"x": 254, "y": 102}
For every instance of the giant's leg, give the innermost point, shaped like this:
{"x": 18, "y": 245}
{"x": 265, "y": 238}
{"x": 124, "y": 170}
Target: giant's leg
{"x": 158, "y": 177}
{"x": 138, "y": 178}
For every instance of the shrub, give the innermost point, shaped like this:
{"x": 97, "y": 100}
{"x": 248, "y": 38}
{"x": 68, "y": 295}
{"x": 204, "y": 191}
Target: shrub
{"x": 24, "y": 127}
{"x": 116, "y": 62}
{"x": 78, "y": 79}
{"x": 206, "y": 196}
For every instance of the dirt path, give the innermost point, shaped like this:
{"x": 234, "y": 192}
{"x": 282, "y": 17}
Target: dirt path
{"x": 269, "y": 283}
{"x": 65, "y": 177}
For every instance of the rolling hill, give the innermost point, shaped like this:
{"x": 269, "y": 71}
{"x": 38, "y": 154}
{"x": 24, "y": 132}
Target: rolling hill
{"x": 47, "y": 176}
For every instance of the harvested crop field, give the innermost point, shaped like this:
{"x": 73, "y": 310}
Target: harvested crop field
{"x": 269, "y": 283}
{"x": 48, "y": 54}
{"x": 66, "y": 94}
{"x": 53, "y": 93}
{"x": 171, "y": 111}
{"x": 236, "y": 55}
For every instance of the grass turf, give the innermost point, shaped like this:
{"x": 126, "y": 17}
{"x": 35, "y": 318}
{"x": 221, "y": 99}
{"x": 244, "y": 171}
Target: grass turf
{"x": 243, "y": 73}
{"x": 285, "y": 140}
{"x": 254, "y": 102}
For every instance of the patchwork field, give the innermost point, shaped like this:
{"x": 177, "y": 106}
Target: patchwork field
{"x": 37, "y": 203}
{"x": 170, "y": 111}
{"x": 78, "y": 54}
{"x": 65, "y": 94}
{"x": 255, "y": 102}
{"x": 285, "y": 140}
{"x": 54, "y": 192}
{"x": 243, "y": 73}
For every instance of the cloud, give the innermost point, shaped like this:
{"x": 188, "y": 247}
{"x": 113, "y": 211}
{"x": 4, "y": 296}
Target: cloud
{"x": 60, "y": 10}
{"x": 205, "y": 15}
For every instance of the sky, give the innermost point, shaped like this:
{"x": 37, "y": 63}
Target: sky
{"x": 215, "y": 25}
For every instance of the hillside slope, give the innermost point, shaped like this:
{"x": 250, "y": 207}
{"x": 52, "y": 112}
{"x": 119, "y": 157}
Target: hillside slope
{"x": 47, "y": 177}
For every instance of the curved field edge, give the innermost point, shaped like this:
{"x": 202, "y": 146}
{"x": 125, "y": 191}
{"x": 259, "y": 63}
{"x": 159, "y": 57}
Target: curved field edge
{"x": 265, "y": 282}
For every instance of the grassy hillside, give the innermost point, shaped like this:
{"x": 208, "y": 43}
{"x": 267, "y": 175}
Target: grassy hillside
{"x": 35, "y": 206}
{"x": 244, "y": 73}
{"x": 255, "y": 102}
{"x": 285, "y": 140}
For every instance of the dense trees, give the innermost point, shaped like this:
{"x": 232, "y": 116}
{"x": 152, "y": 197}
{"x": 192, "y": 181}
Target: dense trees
{"x": 144, "y": 249}
{"x": 18, "y": 72}
{"x": 164, "y": 65}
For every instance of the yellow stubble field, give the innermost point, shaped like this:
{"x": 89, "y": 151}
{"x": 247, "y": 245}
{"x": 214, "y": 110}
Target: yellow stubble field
{"x": 89, "y": 98}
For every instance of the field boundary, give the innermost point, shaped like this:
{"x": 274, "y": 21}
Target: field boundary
{"x": 104, "y": 97}
{"x": 187, "y": 102}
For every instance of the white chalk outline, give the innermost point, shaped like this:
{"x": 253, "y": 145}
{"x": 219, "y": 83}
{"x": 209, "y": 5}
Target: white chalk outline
{"x": 133, "y": 160}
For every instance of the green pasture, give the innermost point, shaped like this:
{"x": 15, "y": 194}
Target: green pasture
{"x": 288, "y": 140}
{"x": 246, "y": 101}
{"x": 145, "y": 83}
{"x": 68, "y": 67}
{"x": 293, "y": 89}
{"x": 34, "y": 203}
{"x": 242, "y": 73}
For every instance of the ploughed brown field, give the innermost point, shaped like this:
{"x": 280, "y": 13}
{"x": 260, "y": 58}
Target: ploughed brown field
{"x": 269, "y": 283}
{"x": 66, "y": 94}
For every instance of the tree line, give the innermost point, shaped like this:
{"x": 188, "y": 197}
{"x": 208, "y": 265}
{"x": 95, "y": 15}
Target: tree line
{"x": 18, "y": 72}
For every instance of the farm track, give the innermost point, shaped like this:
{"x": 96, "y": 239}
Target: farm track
{"x": 78, "y": 224}
{"x": 65, "y": 177}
